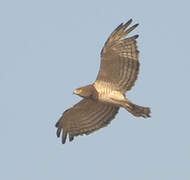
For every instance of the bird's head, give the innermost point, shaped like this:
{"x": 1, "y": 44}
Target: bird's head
{"x": 78, "y": 91}
{"x": 86, "y": 91}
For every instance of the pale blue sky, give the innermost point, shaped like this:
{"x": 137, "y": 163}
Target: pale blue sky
{"x": 48, "y": 48}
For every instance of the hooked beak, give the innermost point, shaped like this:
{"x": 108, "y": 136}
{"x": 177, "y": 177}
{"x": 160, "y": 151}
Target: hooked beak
{"x": 75, "y": 92}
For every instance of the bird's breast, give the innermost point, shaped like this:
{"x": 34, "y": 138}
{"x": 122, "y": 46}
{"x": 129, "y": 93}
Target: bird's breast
{"x": 107, "y": 94}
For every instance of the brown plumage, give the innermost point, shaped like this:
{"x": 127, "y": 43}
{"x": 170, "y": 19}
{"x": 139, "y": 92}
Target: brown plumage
{"x": 101, "y": 100}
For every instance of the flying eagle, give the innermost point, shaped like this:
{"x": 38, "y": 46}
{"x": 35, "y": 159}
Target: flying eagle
{"x": 101, "y": 100}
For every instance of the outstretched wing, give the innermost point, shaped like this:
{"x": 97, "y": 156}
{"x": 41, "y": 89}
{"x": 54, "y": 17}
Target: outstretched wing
{"x": 85, "y": 117}
{"x": 119, "y": 59}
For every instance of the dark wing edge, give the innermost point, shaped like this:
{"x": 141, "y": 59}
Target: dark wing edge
{"x": 119, "y": 33}
{"x": 120, "y": 58}
{"x": 85, "y": 117}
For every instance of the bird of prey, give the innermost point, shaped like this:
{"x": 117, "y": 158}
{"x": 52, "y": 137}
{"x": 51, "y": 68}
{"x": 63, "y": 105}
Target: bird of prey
{"x": 101, "y": 101}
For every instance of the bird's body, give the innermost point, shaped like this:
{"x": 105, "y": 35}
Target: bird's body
{"x": 101, "y": 100}
{"x": 107, "y": 94}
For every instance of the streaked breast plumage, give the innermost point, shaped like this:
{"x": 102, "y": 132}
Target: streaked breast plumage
{"x": 106, "y": 93}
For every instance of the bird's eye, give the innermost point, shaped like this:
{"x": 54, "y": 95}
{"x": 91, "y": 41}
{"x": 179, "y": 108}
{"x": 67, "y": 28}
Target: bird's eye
{"x": 80, "y": 90}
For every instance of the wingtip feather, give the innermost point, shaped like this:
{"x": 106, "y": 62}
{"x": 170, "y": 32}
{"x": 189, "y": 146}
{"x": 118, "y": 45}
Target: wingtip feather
{"x": 128, "y": 22}
{"x": 64, "y": 136}
{"x": 131, "y": 29}
{"x": 136, "y": 36}
{"x": 58, "y": 132}
{"x": 71, "y": 137}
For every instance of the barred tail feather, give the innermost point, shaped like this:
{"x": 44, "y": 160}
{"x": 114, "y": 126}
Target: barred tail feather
{"x": 137, "y": 110}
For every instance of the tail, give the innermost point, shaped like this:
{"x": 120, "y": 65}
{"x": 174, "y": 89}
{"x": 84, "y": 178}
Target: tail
{"x": 136, "y": 110}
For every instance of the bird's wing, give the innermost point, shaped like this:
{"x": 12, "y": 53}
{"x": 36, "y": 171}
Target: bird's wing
{"x": 85, "y": 117}
{"x": 119, "y": 59}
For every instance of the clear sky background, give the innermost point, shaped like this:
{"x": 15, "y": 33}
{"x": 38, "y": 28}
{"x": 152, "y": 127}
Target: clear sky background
{"x": 49, "y": 48}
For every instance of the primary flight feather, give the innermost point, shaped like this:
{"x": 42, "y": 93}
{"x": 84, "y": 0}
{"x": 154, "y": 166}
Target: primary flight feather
{"x": 101, "y": 100}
